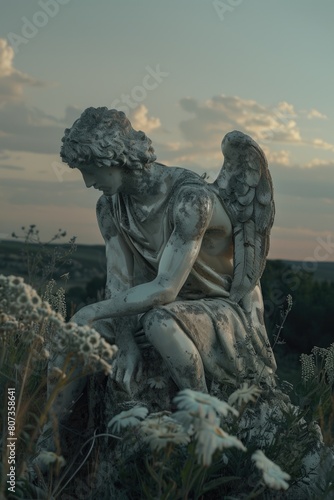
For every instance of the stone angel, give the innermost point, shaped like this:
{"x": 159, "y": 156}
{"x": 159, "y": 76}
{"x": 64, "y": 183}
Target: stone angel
{"x": 184, "y": 257}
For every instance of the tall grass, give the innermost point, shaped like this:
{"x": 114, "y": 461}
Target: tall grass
{"x": 252, "y": 443}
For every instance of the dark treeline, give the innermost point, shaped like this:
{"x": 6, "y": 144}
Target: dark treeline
{"x": 309, "y": 323}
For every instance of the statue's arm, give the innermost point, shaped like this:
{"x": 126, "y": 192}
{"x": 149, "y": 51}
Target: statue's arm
{"x": 119, "y": 279}
{"x": 191, "y": 217}
{"x": 118, "y": 256}
{"x": 119, "y": 276}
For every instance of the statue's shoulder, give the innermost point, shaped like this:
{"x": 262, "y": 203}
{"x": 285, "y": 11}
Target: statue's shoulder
{"x": 102, "y": 207}
{"x": 191, "y": 195}
{"x": 188, "y": 184}
{"x": 104, "y": 210}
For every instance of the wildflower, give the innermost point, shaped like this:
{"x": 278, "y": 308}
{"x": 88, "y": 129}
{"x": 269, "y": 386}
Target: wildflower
{"x": 93, "y": 339}
{"x": 35, "y": 300}
{"x": 23, "y": 299}
{"x": 244, "y": 395}
{"x": 85, "y": 348}
{"x": 329, "y": 363}
{"x": 44, "y": 309}
{"x": 49, "y": 457}
{"x": 4, "y": 317}
{"x": 202, "y": 405}
{"x": 184, "y": 418}
{"x": 70, "y": 327}
{"x": 19, "y": 300}
{"x": 108, "y": 351}
{"x": 162, "y": 433}
{"x": 55, "y": 374}
{"x": 45, "y": 354}
{"x": 15, "y": 281}
{"x": 273, "y": 475}
{"x": 308, "y": 367}
{"x": 154, "y": 421}
{"x": 34, "y": 316}
{"x": 157, "y": 382}
{"x": 210, "y": 438}
{"x": 56, "y": 321}
{"x": 128, "y": 418}
{"x": 319, "y": 351}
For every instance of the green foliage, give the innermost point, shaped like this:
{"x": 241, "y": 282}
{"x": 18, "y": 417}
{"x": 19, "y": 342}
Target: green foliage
{"x": 316, "y": 390}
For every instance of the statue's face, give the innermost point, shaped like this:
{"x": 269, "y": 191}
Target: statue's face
{"x": 106, "y": 179}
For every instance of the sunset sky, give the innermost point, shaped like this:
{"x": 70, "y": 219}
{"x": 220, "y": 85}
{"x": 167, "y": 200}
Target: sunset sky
{"x": 186, "y": 72}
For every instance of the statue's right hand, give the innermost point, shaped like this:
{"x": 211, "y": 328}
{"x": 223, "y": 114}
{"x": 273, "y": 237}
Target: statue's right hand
{"x": 127, "y": 366}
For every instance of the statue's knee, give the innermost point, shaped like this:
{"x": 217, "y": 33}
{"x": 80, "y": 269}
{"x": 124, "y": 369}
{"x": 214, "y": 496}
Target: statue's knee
{"x": 155, "y": 321}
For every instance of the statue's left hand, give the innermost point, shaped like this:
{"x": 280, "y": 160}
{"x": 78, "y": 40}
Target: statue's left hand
{"x": 128, "y": 365}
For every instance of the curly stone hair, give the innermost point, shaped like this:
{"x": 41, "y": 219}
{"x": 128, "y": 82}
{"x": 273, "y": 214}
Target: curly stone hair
{"x": 103, "y": 137}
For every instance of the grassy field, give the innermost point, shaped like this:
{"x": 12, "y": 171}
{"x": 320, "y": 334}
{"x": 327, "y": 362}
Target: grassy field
{"x": 192, "y": 466}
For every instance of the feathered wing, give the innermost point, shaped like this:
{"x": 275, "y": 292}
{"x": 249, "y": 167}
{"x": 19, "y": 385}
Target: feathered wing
{"x": 245, "y": 185}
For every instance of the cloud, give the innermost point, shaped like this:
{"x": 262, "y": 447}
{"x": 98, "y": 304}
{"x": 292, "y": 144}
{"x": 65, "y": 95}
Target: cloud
{"x": 203, "y": 131}
{"x": 12, "y": 81}
{"x": 321, "y": 144}
{"x": 281, "y": 157}
{"x": 210, "y": 120}
{"x": 23, "y": 128}
{"x": 314, "y": 113}
{"x": 11, "y": 167}
{"x": 141, "y": 121}
{"x": 317, "y": 162}
{"x": 217, "y": 116}
{"x": 26, "y": 129}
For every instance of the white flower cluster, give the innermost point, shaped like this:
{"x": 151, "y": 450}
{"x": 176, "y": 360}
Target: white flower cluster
{"x": 320, "y": 357}
{"x": 198, "y": 419}
{"x": 49, "y": 457}
{"x": 200, "y": 414}
{"x": 329, "y": 363}
{"x": 55, "y": 298}
{"x": 273, "y": 475}
{"x": 159, "y": 432}
{"x": 245, "y": 394}
{"x": 308, "y": 367}
{"x": 128, "y": 418}
{"x": 23, "y": 311}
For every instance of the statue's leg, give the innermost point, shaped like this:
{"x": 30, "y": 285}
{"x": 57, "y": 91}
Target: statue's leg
{"x": 176, "y": 348}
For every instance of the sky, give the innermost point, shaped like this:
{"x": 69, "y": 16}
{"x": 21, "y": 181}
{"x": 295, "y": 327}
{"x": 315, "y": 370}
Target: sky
{"x": 185, "y": 72}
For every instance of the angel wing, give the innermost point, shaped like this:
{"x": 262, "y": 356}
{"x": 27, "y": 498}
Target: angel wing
{"x": 245, "y": 185}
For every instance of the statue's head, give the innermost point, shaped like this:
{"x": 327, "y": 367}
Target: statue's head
{"x": 103, "y": 137}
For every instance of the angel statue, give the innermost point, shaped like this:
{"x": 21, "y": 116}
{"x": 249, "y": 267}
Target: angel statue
{"x": 184, "y": 257}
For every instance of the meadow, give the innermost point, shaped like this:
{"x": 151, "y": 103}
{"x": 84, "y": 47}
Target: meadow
{"x": 208, "y": 447}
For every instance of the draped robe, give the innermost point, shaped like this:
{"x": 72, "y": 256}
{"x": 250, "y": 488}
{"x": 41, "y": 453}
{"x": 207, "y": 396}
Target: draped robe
{"x": 231, "y": 341}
